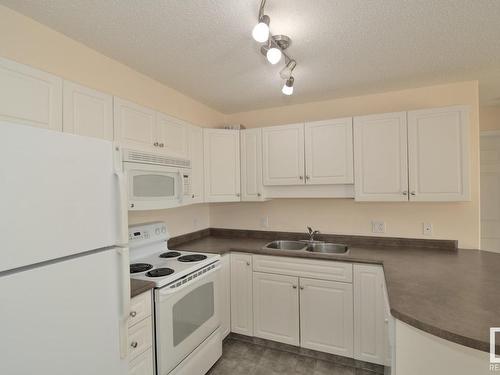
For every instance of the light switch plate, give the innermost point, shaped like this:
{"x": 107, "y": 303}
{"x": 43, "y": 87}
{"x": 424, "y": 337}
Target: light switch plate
{"x": 378, "y": 226}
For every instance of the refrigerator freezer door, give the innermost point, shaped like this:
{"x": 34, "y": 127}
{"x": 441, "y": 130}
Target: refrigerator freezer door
{"x": 58, "y": 195}
{"x": 63, "y": 318}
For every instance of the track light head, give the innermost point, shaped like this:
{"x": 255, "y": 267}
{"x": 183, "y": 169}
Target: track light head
{"x": 260, "y": 31}
{"x": 288, "y": 86}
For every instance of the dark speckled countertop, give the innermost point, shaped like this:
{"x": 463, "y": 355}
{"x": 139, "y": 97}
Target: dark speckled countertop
{"x": 450, "y": 293}
{"x": 139, "y": 286}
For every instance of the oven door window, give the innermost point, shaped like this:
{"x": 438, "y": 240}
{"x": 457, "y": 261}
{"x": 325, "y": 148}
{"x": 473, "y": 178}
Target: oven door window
{"x": 192, "y": 311}
{"x": 153, "y": 186}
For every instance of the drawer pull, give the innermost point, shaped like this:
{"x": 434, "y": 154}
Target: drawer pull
{"x": 134, "y": 344}
{"x": 133, "y": 314}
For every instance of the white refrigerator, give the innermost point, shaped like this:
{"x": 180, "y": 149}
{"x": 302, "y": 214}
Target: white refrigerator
{"x": 64, "y": 268}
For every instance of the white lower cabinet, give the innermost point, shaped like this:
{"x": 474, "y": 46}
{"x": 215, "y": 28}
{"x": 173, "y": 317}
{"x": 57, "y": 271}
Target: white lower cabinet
{"x": 370, "y": 314}
{"x": 140, "y": 335}
{"x": 241, "y": 294}
{"x": 276, "y": 307}
{"x": 326, "y": 321}
{"x": 143, "y": 364}
{"x": 225, "y": 294}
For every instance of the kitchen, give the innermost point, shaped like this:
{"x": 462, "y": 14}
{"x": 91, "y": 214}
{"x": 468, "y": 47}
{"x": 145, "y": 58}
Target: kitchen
{"x": 208, "y": 218}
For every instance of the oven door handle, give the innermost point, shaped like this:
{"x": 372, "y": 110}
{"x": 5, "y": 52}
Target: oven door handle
{"x": 167, "y": 290}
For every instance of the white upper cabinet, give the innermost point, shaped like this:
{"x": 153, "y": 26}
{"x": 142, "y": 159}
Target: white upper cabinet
{"x": 328, "y": 152}
{"x": 30, "y": 96}
{"x": 283, "y": 155}
{"x": 135, "y": 126}
{"x": 222, "y": 165}
{"x": 172, "y": 135}
{"x": 87, "y": 112}
{"x": 196, "y": 157}
{"x": 438, "y": 149}
{"x": 326, "y": 321}
{"x": 380, "y": 157}
{"x": 251, "y": 165}
{"x": 370, "y": 327}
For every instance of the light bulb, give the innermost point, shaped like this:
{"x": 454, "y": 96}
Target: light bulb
{"x": 260, "y": 32}
{"x": 273, "y": 55}
{"x": 288, "y": 86}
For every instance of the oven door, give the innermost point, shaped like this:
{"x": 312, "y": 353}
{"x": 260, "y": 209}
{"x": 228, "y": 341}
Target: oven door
{"x": 185, "y": 316}
{"x": 153, "y": 187}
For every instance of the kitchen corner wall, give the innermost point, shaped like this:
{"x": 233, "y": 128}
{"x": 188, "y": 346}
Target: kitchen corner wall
{"x": 489, "y": 117}
{"x": 458, "y": 221}
{"x": 26, "y": 41}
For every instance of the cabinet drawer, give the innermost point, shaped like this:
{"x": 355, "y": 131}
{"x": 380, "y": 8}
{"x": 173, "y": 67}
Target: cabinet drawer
{"x": 140, "y": 308}
{"x": 140, "y": 338}
{"x": 143, "y": 364}
{"x": 312, "y": 268}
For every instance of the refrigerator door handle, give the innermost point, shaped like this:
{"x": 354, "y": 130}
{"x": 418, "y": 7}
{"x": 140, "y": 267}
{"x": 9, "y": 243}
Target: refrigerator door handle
{"x": 123, "y": 198}
{"x": 125, "y": 300}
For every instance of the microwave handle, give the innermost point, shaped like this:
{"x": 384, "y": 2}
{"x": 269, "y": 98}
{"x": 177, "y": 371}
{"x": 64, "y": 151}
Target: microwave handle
{"x": 181, "y": 186}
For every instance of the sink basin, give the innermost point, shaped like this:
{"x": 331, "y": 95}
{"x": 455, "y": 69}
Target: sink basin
{"x": 326, "y": 247}
{"x": 286, "y": 245}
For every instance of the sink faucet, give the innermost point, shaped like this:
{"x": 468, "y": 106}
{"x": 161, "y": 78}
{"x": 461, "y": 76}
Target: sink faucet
{"x": 312, "y": 233}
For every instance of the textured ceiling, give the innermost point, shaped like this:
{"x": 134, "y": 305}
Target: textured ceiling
{"x": 204, "y": 48}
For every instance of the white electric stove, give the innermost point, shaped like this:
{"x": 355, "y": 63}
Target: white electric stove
{"x": 152, "y": 260}
{"x": 186, "y": 300}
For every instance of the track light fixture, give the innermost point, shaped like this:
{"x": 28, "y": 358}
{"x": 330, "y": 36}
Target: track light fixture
{"x": 274, "y": 49}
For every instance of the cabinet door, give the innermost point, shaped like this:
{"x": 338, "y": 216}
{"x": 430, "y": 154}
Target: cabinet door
{"x": 135, "y": 126}
{"x": 222, "y": 165}
{"x": 370, "y": 334}
{"x": 196, "y": 157}
{"x": 172, "y": 135}
{"x": 143, "y": 364}
{"x": 225, "y": 294}
{"x": 326, "y": 321}
{"x": 241, "y": 294}
{"x": 328, "y": 150}
{"x": 438, "y": 149}
{"x": 251, "y": 165}
{"x": 380, "y": 157}
{"x": 276, "y": 307}
{"x": 29, "y": 96}
{"x": 283, "y": 155}
{"x": 87, "y": 112}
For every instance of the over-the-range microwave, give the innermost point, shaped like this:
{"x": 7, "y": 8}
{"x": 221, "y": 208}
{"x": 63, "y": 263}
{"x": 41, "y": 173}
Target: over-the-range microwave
{"x": 156, "y": 181}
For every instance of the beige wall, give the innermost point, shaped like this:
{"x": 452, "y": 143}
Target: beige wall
{"x": 29, "y": 42}
{"x": 450, "y": 220}
{"x": 489, "y": 118}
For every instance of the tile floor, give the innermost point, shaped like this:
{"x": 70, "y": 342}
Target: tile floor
{"x": 241, "y": 357}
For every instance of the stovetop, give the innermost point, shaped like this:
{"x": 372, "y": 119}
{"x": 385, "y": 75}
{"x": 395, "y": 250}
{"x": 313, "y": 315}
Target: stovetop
{"x": 167, "y": 266}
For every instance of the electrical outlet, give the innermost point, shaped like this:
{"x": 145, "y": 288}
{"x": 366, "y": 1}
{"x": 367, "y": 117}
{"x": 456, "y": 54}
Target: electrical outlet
{"x": 427, "y": 229}
{"x": 264, "y": 222}
{"x": 378, "y": 227}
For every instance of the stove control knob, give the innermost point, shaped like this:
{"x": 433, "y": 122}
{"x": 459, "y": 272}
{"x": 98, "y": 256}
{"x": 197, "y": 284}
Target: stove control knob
{"x": 163, "y": 230}
{"x": 157, "y": 230}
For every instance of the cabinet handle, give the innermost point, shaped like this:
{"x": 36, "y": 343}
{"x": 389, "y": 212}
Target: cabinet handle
{"x": 161, "y": 145}
{"x": 307, "y": 177}
{"x": 405, "y": 192}
{"x": 248, "y": 263}
{"x": 134, "y": 344}
{"x": 192, "y": 196}
{"x": 133, "y": 314}
{"x": 413, "y": 193}
{"x": 237, "y": 194}
{"x": 301, "y": 177}
{"x": 259, "y": 194}
{"x": 156, "y": 144}
{"x": 301, "y": 288}
{"x": 294, "y": 286}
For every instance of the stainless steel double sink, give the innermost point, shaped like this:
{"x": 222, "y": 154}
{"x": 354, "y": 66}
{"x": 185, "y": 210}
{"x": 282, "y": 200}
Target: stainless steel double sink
{"x": 315, "y": 246}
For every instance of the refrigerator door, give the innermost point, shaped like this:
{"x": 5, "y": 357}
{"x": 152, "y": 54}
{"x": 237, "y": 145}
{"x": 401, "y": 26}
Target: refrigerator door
{"x": 63, "y": 317}
{"x": 59, "y": 195}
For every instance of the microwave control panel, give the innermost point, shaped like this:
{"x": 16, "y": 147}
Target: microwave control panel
{"x": 186, "y": 180}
